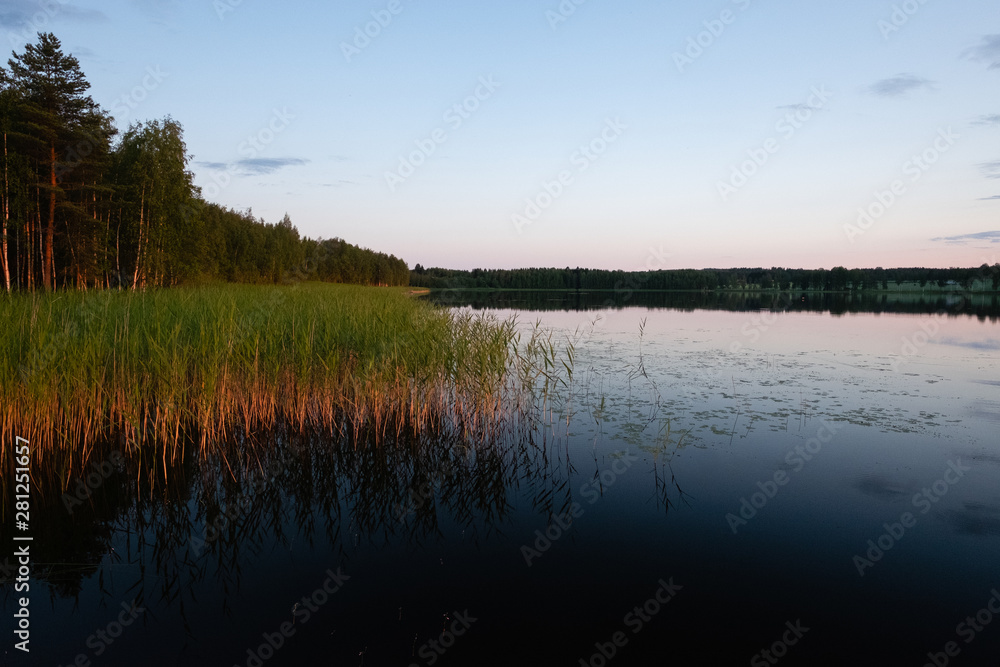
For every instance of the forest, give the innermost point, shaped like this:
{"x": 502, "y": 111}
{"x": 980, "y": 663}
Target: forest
{"x": 86, "y": 205}
{"x": 837, "y": 279}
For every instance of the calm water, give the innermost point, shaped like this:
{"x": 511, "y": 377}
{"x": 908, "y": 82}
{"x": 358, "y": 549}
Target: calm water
{"x": 721, "y": 477}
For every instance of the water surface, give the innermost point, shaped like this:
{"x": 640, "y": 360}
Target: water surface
{"x": 815, "y": 478}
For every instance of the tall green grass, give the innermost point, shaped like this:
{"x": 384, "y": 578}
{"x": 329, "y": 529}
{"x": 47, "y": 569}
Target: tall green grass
{"x": 156, "y": 372}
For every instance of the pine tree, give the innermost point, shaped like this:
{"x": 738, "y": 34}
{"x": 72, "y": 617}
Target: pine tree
{"x": 56, "y": 115}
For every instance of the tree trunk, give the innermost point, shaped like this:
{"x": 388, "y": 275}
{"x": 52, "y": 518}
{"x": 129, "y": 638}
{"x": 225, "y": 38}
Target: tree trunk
{"x": 138, "y": 252}
{"x": 48, "y": 262}
{"x": 6, "y": 217}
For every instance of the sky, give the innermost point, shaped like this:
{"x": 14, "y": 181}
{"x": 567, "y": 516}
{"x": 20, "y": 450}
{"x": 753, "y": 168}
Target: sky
{"x": 619, "y": 135}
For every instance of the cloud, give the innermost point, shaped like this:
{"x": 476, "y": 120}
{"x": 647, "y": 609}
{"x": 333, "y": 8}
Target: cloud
{"x": 991, "y": 169}
{"x": 801, "y": 106}
{"x": 214, "y": 166}
{"x": 268, "y": 165}
{"x": 255, "y": 166}
{"x": 29, "y": 17}
{"x": 83, "y": 52}
{"x": 992, "y": 237}
{"x": 988, "y": 51}
{"x": 989, "y": 198}
{"x": 900, "y": 85}
{"x": 987, "y": 120}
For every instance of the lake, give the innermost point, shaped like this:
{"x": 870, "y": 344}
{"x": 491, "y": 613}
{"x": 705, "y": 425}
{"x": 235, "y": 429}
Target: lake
{"x": 719, "y": 479}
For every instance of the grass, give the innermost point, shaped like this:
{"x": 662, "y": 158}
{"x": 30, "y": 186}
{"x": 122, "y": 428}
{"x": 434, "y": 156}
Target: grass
{"x": 157, "y": 372}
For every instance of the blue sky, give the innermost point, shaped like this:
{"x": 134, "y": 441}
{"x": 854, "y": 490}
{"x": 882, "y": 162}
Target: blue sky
{"x": 609, "y": 135}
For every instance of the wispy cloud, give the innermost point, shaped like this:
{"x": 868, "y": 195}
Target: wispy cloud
{"x": 20, "y": 15}
{"x": 254, "y": 166}
{"x": 214, "y": 166}
{"x": 268, "y": 165}
{"x": 989, "y": 198}
{"x": 801, "y": 106}
{"x": 991, "y": 169}
{"x": 964, "y": 239}
{"x": 899, "y": 85}
{"x": 987, "y": 51}
{"x": 988, "y": 120}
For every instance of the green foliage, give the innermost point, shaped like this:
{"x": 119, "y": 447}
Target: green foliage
{"x": 838, "y": 279}
{"x": 81, "y": 211}
{"x": 141, "y": 367}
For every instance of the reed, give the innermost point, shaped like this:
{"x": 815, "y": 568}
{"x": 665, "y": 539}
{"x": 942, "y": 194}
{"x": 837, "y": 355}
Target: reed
{"x": 157, "y": 372}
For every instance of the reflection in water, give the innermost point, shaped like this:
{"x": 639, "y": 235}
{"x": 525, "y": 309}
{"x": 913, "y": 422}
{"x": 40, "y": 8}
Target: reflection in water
{"x": 982, "y": 306}
{"x": 206, "y": 517}
{"x": 209, "y": 517}
{"x": 976, "y": 518}
{"x": 220, "y": 548}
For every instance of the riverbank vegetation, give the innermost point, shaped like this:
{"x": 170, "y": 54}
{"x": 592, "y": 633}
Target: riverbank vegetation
{"x": 155, "y": 373}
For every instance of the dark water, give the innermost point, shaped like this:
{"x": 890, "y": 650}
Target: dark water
{"x": 706, "y": 490}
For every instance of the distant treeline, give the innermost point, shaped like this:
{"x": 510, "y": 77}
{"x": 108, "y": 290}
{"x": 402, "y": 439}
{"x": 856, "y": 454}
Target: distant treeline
{"x": 834, "y": 280}
{"x": 84, "y": 206}
{"x": 243, "y": 249}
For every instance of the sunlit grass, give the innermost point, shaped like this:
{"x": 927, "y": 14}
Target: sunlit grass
{"x": 155, "y": 372}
